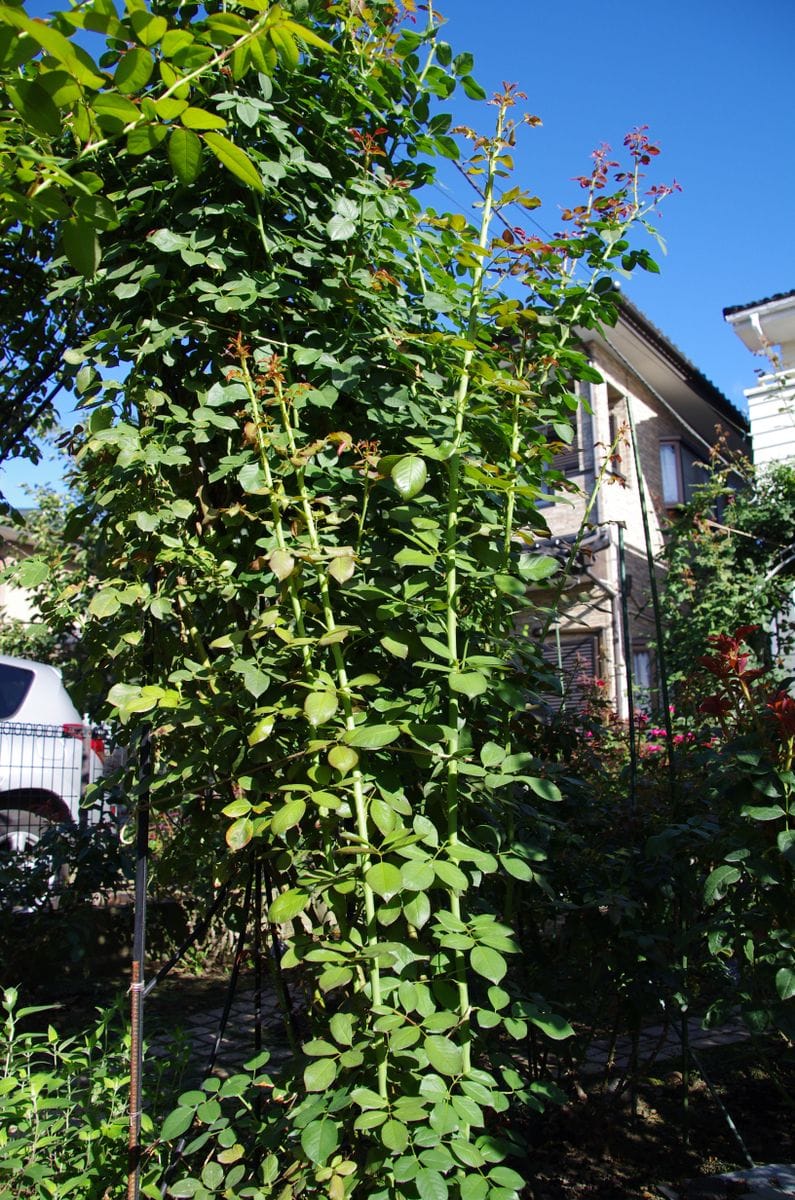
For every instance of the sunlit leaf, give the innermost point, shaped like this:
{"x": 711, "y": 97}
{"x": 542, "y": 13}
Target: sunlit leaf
{"x": 409, "y": 476}
{"x": 134, "y": 71}
{"x": 239, "y": 833}
{"x": 235, "y": 160}
{"x": 384, "y": 879}
{"x": 320, "y": 707}
{"x": 185, "y": 154}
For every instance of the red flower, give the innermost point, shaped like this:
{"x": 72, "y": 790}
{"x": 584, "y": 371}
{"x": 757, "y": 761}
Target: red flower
{"x": 782, "y": 710}
{"x": 729, "y": 659}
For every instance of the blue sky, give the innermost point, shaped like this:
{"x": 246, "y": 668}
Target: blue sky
{"x": 713, "y": 81}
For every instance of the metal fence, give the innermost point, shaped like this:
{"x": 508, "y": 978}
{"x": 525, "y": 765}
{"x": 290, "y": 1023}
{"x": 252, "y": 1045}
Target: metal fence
{"x": 47, "y": 773}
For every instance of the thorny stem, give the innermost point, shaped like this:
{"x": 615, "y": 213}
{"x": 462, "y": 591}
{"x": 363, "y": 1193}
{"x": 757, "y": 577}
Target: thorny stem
{"x": 276, "y": 515}
{"x": 431, "y": 27}
{"x": 344, "y": 692}
{"x": 450, "y": 564}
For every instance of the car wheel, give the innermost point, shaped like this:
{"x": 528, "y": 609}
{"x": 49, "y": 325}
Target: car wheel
{"x": 20, "y": 833}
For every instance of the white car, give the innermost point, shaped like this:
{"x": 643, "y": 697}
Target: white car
{"x": 48, "y": 757}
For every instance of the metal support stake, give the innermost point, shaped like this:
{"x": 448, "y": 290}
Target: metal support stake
{"x": 672, "y": 780}
{"x": 258, "y": 957}
{"x": 137, "y": 984}
{"x": 633, "y": 749}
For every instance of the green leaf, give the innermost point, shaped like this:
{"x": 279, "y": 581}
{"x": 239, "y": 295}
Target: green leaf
{"x": 237, "y": 808}
{"x": 340, "y": 228}
{"x": 553, "y": 1025}
{"x": 417, "y": 875}
{"x": 114, "y": 112}
{"x": 371, "y": 737}
{"x": 546, "y": 789}
{"x": 168, "y": 241}
{"x": 341, "y": 1028}
{"x": 786, "y": 843}
{"x": 719, "y": 881}
{"x": 488, "y": 963}
{"x": 288, "y": 816}
{"x": 282, "y": 564}
{"x": 440, "y": 649}
{"x": 418, "y": 910}
{"x": 491, "y": 755}
{"x": 451, "y": 875}
{"x": 414, "y": 558}
{"x": 145, "y": 138}
{"x": 430, "y": 1185}
{"x": 537, "y": 566}
{"x": 444, "y": 1055}
{"x": 176, "y": 1123}
{"x": 769, "y": 812}
{"x": 475, "y": 92}
{"x": 308, "y": 35}
{"x": 468, "y": 683}
{"x": 35, "y": 105}
{"x": 79, "y": 66}
{"x": 105, "y": 604}
{"x": 133, "y": 72}
{"x": 239, "y": 833}
{"x": 504, "y": 1177}
{"x": 81, "y": 245}
{"x": 395, "y": 647}
{"x": 287, "y": 905}
{"x": 342, "y": 759}
{"x": 320, "y": 1074}
{"x": 320, "y": 707}
{"x": 199, "y": 118}
{"x": 262, "y": 730}
{"x": 31, "y": 572}
{"x": 251, "y": 478}
{"x": 212, "y": 1175}
{"x": 785, "y": 983}
{"x": 319, "y": 1140}
{"x": 342, "y": 567}
{"x": 235, "y": 160}
{"x": 255, "y": 681}
{"x": 183, "y": 1189}
{"x": 384, "y": 879}
{"x": 395, "y": 1136}
{"x": 409, "y": 476}
{"x": 148, "y": 28}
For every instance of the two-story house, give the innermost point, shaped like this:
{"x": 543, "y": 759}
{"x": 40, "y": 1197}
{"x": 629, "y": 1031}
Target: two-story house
{"x": 678, "y": 416}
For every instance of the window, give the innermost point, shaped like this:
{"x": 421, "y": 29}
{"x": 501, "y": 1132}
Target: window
{"x": 619, "y": 447}
{"x": 14, "y": 686}
{"x": 642, "y": 678}
{"x": 575, "y": 661}
{"x": 681, "y": 470}
{"x": 671, "y": 476}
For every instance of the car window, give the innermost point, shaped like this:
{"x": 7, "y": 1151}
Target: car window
{"x": 14, "y": 686}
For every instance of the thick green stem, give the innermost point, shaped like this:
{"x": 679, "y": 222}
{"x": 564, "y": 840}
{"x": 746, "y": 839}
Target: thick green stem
{"x": 344, "y": 693}
{"x": 450, "y": 565}
{"x": 276, "y": 514}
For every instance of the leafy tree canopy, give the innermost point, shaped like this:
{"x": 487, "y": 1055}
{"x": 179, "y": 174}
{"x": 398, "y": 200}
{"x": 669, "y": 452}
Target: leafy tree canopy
{"x": 729, "y": 557}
